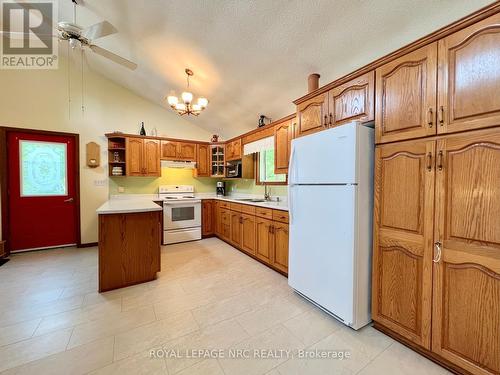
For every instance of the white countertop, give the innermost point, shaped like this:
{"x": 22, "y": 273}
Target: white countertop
{"x": 124, "y": 203}
{"x": 282, "y": 205}
{"x": 120, "y": 206}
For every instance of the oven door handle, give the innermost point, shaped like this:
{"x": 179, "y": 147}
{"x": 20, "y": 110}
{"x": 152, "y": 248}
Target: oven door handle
{"x": 184, "y": 203}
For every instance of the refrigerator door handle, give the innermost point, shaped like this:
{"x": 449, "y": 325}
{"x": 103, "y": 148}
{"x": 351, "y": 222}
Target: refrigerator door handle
{"x": 291, "y": 167}
{"x": 290, "y": 210}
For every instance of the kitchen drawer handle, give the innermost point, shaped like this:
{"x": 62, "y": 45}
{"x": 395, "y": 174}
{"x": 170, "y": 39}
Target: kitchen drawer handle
{"x": 429, "y": 161}
{"x": 438, "y": 247}
{"x": 429, "y": 118}
{"x": 441, "y": 115}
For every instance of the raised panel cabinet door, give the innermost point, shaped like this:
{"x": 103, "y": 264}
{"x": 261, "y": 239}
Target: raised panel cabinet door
{"x": 186, "y": 151}
{"x": 282, "y": 145}
{"x": 168, "y": 150}
{"x": 406, "y": 96}
{"x": 354, "y": 100}
{"x": 225, "y": 225}
{"x": 403, "y": 238}
{"x": 469, "y": 77}
{"x": 466, "y": 307}
{"x": 248, "y": 235}
{"x": 280, "y": 257}
{"x": 264, "y": 239}
{"x": 312, "y": 115}
{"x": 134, "y": 156}
{"x": 203, "y": 161}
{"x": 236, "y": 223}
{"x": 151, "y": 159}
{"x": 233, "y": 150}
{"x": 207, "y": 227}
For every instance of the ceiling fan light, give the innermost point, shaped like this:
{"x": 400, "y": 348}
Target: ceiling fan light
{"x": 202, "y": 102}
{"x": 187, "y": 97}
{"x": 180, "y": 107}
{"x": 172, "y": 100}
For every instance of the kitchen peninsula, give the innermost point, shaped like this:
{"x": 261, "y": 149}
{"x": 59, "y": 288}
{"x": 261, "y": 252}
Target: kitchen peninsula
{"x": 129, "y": 242}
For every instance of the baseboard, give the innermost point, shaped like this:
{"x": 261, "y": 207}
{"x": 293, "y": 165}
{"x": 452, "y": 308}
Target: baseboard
{"x": 426, "y": 353}
{"x": 88, "y": 244}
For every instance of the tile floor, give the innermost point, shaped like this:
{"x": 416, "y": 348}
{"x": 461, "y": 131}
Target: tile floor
{"x": 209, "y": 296}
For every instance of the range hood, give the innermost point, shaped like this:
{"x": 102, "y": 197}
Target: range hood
{"x": 178, "y": 164}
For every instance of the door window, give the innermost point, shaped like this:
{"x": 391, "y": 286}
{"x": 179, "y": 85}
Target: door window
{"x": 43, "y": 170}
{"x": 182, "y": 213}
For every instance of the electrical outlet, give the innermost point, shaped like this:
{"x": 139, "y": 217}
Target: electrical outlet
{"x": 121, "y": 189}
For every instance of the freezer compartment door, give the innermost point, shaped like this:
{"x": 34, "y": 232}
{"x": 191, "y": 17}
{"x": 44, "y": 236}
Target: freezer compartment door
{"x": 322, "y": 246}
{"x": 326, "y": 157}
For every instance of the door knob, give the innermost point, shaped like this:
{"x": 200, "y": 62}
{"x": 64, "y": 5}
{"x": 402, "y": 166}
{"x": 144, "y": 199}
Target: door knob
{"x": 68, "y": 200}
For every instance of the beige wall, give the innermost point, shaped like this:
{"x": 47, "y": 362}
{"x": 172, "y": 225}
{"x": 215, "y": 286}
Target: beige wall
{"x": 40, "y": 100}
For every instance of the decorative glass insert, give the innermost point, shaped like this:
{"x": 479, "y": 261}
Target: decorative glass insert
{"x": 266, "y": 167}
{"x": 43, "y": 169}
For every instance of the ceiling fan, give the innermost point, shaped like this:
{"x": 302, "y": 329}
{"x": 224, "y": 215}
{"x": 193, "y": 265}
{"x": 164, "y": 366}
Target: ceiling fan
{"x": 78, "y": 36}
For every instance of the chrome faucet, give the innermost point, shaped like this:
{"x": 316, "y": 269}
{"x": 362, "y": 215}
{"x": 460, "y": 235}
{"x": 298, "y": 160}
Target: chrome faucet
{"x": 267, "y": 195}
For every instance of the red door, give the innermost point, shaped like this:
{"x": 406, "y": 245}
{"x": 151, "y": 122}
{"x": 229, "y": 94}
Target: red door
{"x": 41, "y": 181}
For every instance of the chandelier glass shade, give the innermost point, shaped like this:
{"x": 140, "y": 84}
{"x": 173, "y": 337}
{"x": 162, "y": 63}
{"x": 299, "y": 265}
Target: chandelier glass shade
{"x": 186, "y": 106}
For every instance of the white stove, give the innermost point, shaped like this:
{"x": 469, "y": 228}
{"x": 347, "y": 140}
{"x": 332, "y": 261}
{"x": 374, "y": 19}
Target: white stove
{"x": 181, "y": 213}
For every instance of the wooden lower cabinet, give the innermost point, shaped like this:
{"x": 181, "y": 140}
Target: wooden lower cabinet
{"x": 239, "y": 225}
{"x": 207, "y": 217}
{"x": 280, "y": 250}
{"x": 248, "y": 234}
{"x": 436, "y": 265}
{"x": 225, "y": 224}
{"x": 264, "y": 239}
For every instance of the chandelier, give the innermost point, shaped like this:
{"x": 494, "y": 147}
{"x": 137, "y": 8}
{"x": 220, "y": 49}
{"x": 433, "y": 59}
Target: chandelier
{"x": 187, "y": 106}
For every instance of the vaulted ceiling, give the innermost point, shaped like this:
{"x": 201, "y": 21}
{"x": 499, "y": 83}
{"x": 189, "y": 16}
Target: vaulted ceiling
{"x": 252, "y": 57}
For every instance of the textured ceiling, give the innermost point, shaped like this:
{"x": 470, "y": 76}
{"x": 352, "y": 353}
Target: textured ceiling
{"x": 252, "y": 57}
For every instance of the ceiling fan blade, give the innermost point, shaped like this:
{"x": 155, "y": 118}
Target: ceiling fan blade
{"x": 99, "y": 30}
{"x": 110, "y": 55}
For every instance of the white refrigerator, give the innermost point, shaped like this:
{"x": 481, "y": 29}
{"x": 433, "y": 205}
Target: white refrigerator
{"x": 330, "y": 198}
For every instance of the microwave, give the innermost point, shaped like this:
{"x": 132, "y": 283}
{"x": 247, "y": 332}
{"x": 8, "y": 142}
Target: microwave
{"x": 233, "y": 169}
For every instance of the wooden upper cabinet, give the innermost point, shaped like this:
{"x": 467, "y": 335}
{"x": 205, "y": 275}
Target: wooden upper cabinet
{"x": 283, "y": 134}
{"x": 402, "y": 254}
{"x": 312, "y": 115}
{"x": 353, "y": 100}
{"x": 469, "y": 81}
{"x": 143, "y": 157}
{"x": 134, "y": 156}
{"x": 406, "y": 96}
{"x": 280, "y": 251}
{"x": 151, "y": 159}
{"x": 466, "y": 315}
{"x": 168, "y": 150}
{"x": 234, "y": 150}
{"x": 203, "y": 161}
{"x": 186, "y": 151}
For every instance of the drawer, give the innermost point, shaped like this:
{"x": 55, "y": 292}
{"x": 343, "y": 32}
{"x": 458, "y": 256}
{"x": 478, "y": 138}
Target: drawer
{"x": 266, "y": 213}
{"x": 235, "y": 207}
{"x": 248, "y": 209}
{"x": 279, "y": 215}
{"x": 223, "y": 204}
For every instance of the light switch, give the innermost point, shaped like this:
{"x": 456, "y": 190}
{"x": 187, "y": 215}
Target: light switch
{"x": 100, "y": 182}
